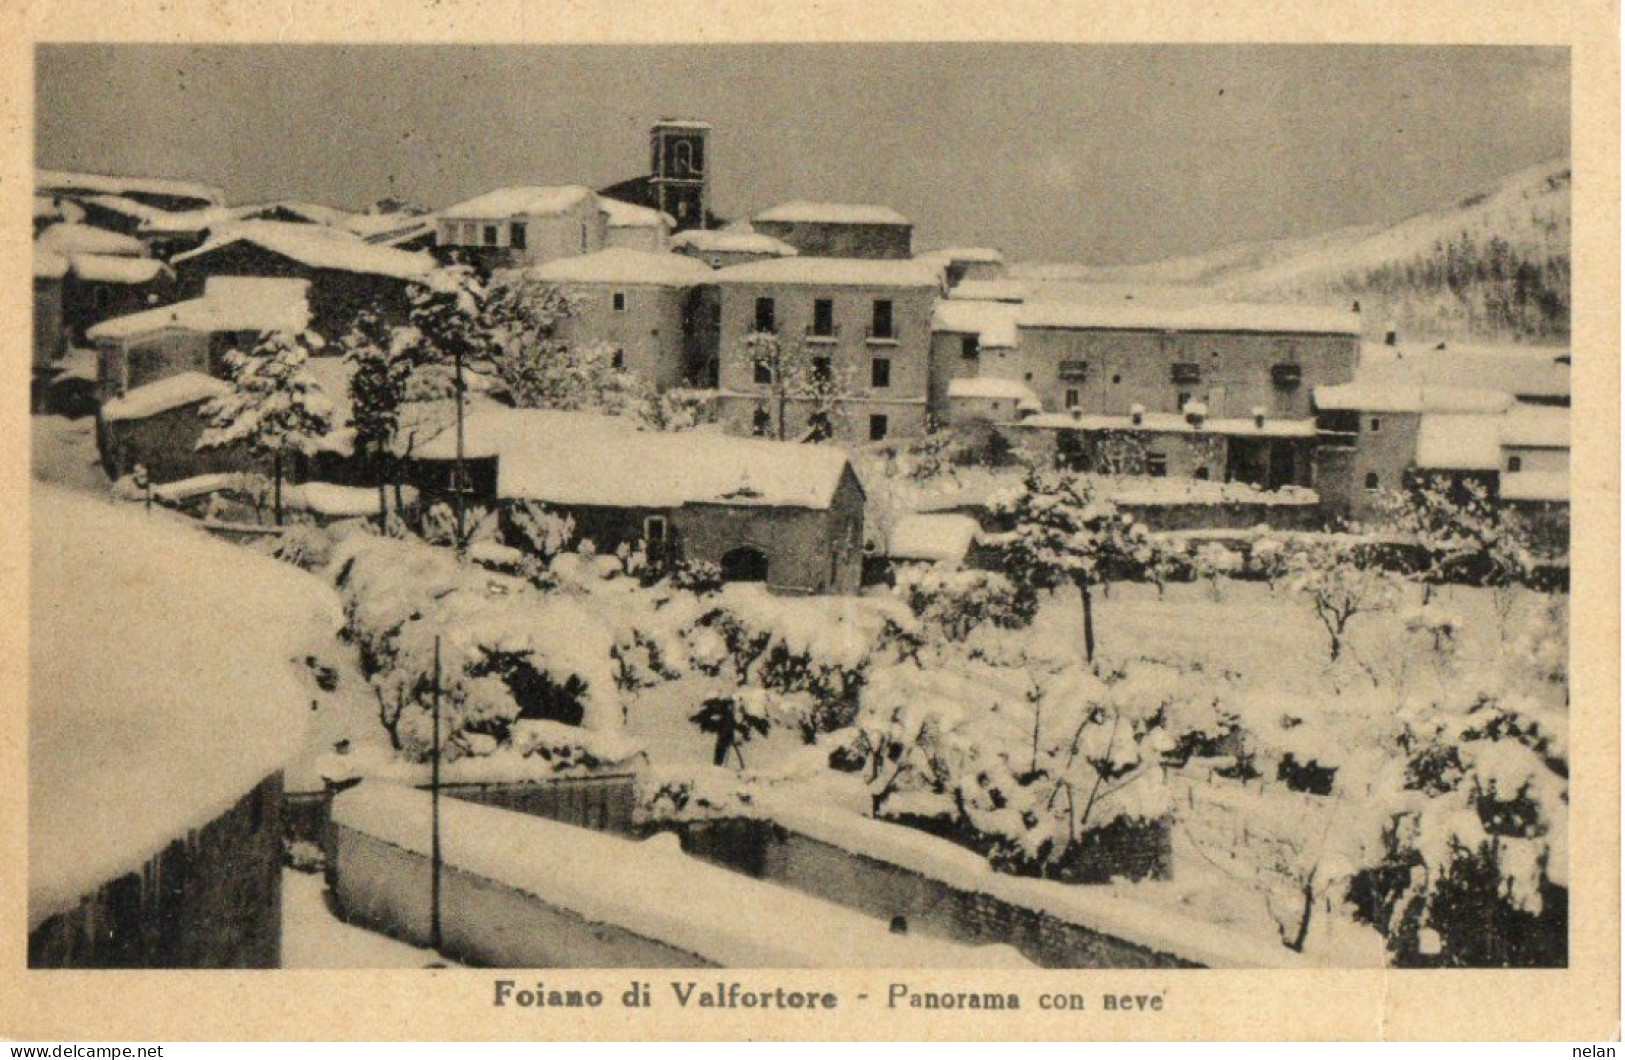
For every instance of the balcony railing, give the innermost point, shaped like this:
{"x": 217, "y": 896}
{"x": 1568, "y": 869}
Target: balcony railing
{"x": 886, "y": 336}
{"x": 818, "y": 334}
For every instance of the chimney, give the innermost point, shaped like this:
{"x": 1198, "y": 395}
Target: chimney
{"x": 1196, "y": 414}
{"x": 1390, "y": 334}
{"x": 1077, "y": 412}
{"x": 1136, "y": 414}
{"x": 1258, "y": 416}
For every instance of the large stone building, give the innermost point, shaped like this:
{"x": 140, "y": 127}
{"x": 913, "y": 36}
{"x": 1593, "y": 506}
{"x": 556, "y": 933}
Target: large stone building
{"x": 860, "y": 328}
{"x": 653, "y": 308}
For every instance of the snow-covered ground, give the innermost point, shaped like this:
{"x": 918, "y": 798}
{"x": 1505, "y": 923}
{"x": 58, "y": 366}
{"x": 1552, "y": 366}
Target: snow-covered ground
{"x": 64, "y": 453}
{"x": 313, "y": 937}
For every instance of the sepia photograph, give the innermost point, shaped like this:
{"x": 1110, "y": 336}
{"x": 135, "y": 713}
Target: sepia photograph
{"x": 953, "y": 508}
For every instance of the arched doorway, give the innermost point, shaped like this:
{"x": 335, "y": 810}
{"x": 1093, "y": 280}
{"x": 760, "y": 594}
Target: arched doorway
{"x": 744, "y": 564}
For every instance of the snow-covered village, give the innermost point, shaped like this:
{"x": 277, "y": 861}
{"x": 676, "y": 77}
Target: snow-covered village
{"x": 721, "y": 560}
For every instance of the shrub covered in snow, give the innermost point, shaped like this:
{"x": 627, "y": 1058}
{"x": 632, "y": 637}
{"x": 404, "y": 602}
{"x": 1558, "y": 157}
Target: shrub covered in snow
{"x": 1476, "y": 872}
{"x": 1035, "y": 764}
{"x": 952, "y": 603}
{"x": 1339, "y": 585}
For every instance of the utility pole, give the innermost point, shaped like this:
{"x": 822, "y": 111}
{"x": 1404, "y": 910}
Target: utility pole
{"x": 460, "y": 472}
{"x": 434, "y": 814}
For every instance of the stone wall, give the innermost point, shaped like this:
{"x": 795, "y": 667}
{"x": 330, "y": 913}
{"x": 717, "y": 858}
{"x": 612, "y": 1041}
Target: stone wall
{"x": 212, "y": 899}
{"x": 927, "y": 906}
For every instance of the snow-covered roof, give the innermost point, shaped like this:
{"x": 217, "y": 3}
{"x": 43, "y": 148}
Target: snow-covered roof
{"x": 71, "y": 238}
{"x": 1535, "y": 427}
{"x": 683, "y": 123}
{"x": 47, "y": 180}
{"x": 51, "y": 208}
{"x": 937, "y": 538}
{"x": 989, "y": 290}
{"x": 329, "y": 499}
{"x": 626, "y": 266}
{"x": 1459, "y": 442}
{"x": 974, "y": 255}
{"x": 651, "y": 889}
{"x": 1172, "y": 423}
{"x": 802, "y": 211}
{"x": 1408, "y": 397}
{"x": 1547, "y": 486}
{"x": 729, "y": 241}
{"x": 188, "y": 221}
{"x": 166, "y": 680}
{"x": 229, "y": 303}
{"x": 172, "y": 392}
{"x": 373, "y": 225}
{"x": 573, "y": 458}
{"x": 1245, "y": 317}
{"x": 628, "y": 215}
{"x": 984, "y": 388}
{"x": 314, "y": 212}
{"x": 319, "y": 247}
{"x": 1523, "y": 371}
{"x": 994, "y": 323}
{"x": 529, "y": 201}
{"x": 106, "y": 268}
{"x": 118, "y": 204}
{"x": 404, "y": 234}
{"x": 835, "y": 272}
{"x": 48, "y": 264}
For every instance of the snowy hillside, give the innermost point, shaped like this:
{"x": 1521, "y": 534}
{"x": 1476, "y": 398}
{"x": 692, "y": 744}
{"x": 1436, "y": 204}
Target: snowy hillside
{"x": 1495, "y": 266}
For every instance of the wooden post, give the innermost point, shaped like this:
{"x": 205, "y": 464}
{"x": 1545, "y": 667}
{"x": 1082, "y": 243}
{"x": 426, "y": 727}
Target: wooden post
{"x": 434, "y": 813}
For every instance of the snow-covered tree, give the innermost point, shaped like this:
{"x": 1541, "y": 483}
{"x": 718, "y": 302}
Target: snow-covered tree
{"x": 1460, "y": 533}
{"x": 732, "y": 720}
{"x": 952, "y": 603}
{"x": 275, "y": 406}
{"x": 1061, "y": 531}
{"x": 1339, "y": 586}
{"x": 398, "y": 396}
{"x": 802, "y": 373}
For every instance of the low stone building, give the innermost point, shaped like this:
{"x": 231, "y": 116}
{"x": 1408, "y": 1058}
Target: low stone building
{"x": 969, "y": 263}
{"x": 722, "y": 247}
{"x": 100, "y": 287}
{"x": 167, "y": 691}
{"x": 632, "y": 227}
{"x": 194, "y": 335}
{"x": 788, "y": 515}
{"x": 157, "y": 426}
{"x": 513, "y": 227}
{"x": 1370, "y": 434}
{"x": 838, "y": 230}
{"x": 344, "y": 273}
{"x": 646, "y": 305}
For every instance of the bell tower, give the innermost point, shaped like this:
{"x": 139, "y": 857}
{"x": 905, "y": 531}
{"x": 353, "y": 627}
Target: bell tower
{"x": 677, "y": 170}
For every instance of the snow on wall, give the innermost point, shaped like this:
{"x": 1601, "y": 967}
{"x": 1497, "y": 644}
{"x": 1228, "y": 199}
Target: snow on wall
{"x": 166, "y": 680}
{"x": 70, "y": 239}
{"x": 532, "y": 201}
{"x": 939, "y": 538}
{"x": 110, "y": 268}
{"x": 623, "y": 265}
{"x": 835, "y": 272}
{"x": 169, "y": 393}
{"x": 650, "y": 888}
{"x": 831, "y": 213}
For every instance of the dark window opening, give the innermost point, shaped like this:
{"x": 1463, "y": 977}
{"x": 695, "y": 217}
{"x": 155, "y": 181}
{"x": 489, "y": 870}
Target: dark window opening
{"x": 819, "y": 427}
{"x": 1200, "y": 474}
{"x": 1376, "y": 425}
{"x": 822, "y": 370}
{"x": 618, "y": 301}
{"x": 880, "y": 372}
{"x": 1156, "y": 465}
{"x": 744, "y": 564}
{"x": 489, "y": 237}
{"x": 970, "y": 347}
{"x": 1073, "y": 399}
{"x": 883, "y": 326}
{"x": 1514, "y": 463}
{"x": 1371, "y": 480}
{"x": 618, "y": 359}
{"x": 761, "y": 423}
{"x": 764, "y": 374}
{"x": 877, "y": 428}
{"x": 516, "y": 237}
{"x": 765, "y": 321}
{"x": 823, "y": 318}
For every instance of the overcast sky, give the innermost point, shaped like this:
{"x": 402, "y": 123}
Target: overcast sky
{"x": 1098, "y": 154}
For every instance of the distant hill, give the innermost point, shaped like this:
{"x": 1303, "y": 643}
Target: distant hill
{"x": 1494, "y": 267}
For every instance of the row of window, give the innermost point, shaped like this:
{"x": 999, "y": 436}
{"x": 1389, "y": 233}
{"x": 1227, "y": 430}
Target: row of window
{"x": 882, "y": 322}
{"x": 823, "y": 371}
{"x": 819, "y": 426}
